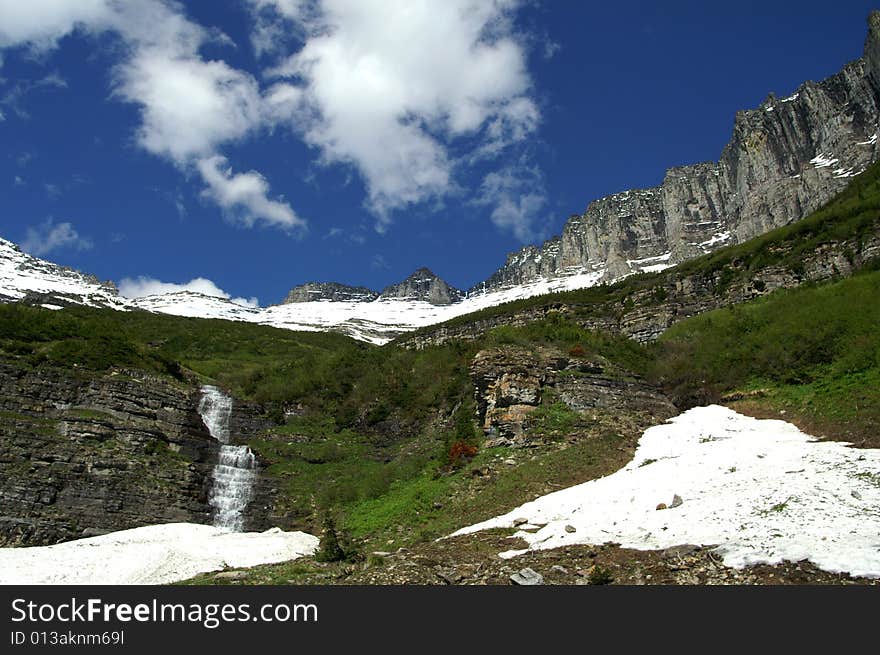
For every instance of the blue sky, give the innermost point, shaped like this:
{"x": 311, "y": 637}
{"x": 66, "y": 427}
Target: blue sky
{"x": 260, "y": 144}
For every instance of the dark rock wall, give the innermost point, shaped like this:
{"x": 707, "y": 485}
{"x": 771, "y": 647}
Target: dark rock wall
{"x": 784, "y": 160}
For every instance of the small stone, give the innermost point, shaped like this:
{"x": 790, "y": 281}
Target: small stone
{"x": 527, "y": 577}
{"x": 520, "y": 521}
{"x": 450, "y": 576}
{"x": 661, "y": 506}
{"x": 559, "y": 569}
{"x": 570, "y": 529}
{"x": 676, "y": 501}
{"x": 856, "y": 495}
{"x": 231, "y": 575}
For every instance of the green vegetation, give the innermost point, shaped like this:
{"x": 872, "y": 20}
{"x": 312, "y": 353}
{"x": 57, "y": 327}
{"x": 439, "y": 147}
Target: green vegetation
{"x": 813, "y": 351}
{"x": 384, "y": 440}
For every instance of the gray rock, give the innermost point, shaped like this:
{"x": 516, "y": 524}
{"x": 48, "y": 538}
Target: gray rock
{"x": 676, "y": 501}
{"x": 329, "y": 291}
{"x": 85, "y": 454}
{"x": 424, "y": 285}
{"x": 785, "y": 159}
{"x": 527, "y": 577}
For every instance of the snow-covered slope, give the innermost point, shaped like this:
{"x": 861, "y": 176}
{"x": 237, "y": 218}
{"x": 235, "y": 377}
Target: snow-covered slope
{"x": 760, "y": 490}
{"x": 21, "y": 275}
{"x": 155, "y": 554}
{"x": 376, "y": 321}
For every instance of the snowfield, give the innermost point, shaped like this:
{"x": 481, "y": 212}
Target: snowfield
{"x": 760, "y": 490}
{"x": 156, "y": 554}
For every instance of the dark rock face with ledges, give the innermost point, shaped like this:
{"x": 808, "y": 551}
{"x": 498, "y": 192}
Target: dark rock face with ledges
{"x": 334, "y": 291}
{"x": 84, "y": 454}
{"x": 785, "y": 160}
{"x": 424, "y": 285}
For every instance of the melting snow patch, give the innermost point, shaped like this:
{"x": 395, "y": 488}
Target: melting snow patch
{"x": 821, "y": 161}
{"x": 155, "y": 554}
{"x": 759, "y": 490}
{"x": 721, "y": 237}
{"x": 870, "y": 142}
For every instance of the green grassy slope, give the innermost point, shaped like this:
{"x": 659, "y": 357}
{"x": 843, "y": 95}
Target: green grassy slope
{"x": 813, "y": 351}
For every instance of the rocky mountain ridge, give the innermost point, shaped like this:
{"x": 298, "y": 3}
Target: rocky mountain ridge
{"x": 425, "y": 286}
{"x": 332, "y": 291}
{"x": 785, "y": 159}
{"x": 422, "y": 286}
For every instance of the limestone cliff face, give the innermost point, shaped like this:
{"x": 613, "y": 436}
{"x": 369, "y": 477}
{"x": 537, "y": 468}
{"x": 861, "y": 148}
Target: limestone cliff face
{"x": 677, "y": 295}
{"x": 785, "y": 159}
{"x": 334, "y": 291}
{"x": 424, "y": 285}
{"x": 510, "y": 383}
{"x": 84, "y": 454}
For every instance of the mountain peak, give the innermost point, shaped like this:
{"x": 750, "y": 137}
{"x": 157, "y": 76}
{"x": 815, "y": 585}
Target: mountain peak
{"x": 424, "y": 285}
{"x": 312, "y": 291}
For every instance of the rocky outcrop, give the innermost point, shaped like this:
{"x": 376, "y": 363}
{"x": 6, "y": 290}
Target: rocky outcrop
{"x": 510, "y": 383}
{"x": 83, "y": 454}
{"x": 656, "y": 304}
{"x": 785, "y": 159}
{"x": 334, "y": 291}
{"x": 423, "y": 285}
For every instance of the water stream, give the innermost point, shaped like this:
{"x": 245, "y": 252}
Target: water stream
{"x": 234, "y": 476}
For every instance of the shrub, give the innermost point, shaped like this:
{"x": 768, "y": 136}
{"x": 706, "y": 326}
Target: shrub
{"x": 329, "y": 549}
{"x": 460, "y": 452}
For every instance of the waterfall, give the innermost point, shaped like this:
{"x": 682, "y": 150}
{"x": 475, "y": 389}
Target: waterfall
{"x": 234, "y": 475}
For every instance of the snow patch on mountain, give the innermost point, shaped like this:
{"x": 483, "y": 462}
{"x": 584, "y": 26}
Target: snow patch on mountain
{"x": 22, "y": 274}
{"x": 761, "y": 491}
{"x": 376, "y": 321}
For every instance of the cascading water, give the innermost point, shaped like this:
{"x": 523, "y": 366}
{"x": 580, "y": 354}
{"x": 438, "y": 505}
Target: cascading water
{"x": 234, "y": 475}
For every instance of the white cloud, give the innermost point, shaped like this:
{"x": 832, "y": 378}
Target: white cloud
{"x": 190, "y": 107}
{"x": 517, "y": 196}
{"x": 389, "y": 86}
{"x": 244, "y": 196}
{"x": 39, "y": 24}
{"x": 49, "y": 236}
{"x": 408, "y": 93}
{"x": 147, "y": 286}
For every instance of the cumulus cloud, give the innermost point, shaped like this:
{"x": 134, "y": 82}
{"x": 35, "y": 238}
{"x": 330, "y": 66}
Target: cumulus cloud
{"x": 392, "y": 86}
{"x": 146, "y": 286}
{"x": 49, "y": 236}
{"x": 190, "y": 107}
{"x": 244, "y": 196}
{"x": 517, "y": 197}
{"x": 40, "y": 24}
{"x": 411, "y": 94}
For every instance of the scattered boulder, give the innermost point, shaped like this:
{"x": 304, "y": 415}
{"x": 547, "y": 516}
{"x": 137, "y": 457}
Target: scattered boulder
{"x": 527, "y": 577}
